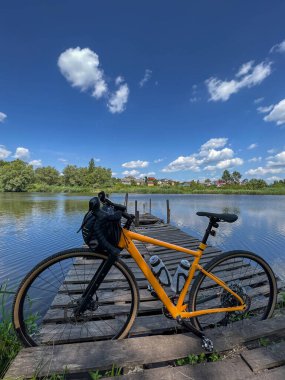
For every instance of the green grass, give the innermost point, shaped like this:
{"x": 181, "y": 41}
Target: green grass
{"x": 9, "y": 343}
{"x": 114, "y": 371}
{"x": 196, "y": 359}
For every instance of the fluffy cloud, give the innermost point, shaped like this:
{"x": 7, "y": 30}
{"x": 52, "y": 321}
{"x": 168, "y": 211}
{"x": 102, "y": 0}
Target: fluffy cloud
{"x": 146, "y": 78}
{"x": 142, "y": 175}
{"x": 118, "y": 100}
{"x": 158, "y": 160}
{"x": 22, "y": 153}
{"x": 247, "y": 76}
{"x": 81, "y": 68}
{"x": 277, "y": 113}
{"x": 279, "y": 48}
{"x": 265, "y": 109}
{"x": 275, "y": 165}
{"x": 252, "y": 146}
{"x": 36, "y": 163}
{"x": 4, "y": 153}
{"x": 2, "y": 117}
{"x": 136, "y": 164}
{"x": 132, "y": 173}
{"x": 255, "y": 159}
{"x": 209, "y": 158}
{"x": 258, "y": 100}
{"x": 215, "y": 143}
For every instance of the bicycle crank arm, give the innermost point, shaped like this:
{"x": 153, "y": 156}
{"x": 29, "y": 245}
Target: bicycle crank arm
{"x": 207, "y": 343}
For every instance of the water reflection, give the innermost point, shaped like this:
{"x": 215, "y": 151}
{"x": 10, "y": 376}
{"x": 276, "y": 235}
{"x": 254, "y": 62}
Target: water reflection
{"x": 33, "y": 226}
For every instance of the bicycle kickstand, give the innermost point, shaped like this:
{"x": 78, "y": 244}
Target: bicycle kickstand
{"x": 207, "y": 343}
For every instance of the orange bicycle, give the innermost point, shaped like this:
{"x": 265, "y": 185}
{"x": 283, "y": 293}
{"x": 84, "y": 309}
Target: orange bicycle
{"x": 88, "y": 294}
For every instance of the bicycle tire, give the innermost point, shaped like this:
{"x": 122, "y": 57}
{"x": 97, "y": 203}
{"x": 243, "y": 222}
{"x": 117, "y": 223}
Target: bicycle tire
{"x": 63, "y": 276}
{"x": 246, "y": 281}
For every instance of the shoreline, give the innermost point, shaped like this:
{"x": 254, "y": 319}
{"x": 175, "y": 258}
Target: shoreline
{"x": 156, "y": 190}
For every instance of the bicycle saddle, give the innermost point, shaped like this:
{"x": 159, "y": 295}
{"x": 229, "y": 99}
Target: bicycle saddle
{"x": 229, "y": 218}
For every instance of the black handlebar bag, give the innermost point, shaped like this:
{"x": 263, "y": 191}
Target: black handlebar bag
{"x": 101, "y": 220}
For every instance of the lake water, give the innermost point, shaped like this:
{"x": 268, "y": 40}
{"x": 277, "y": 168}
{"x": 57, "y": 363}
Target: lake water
{"x": 34, "y": 226}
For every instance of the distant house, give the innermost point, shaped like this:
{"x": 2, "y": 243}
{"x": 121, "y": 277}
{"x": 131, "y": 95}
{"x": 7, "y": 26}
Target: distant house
{"x": 151, "y": 181}
{"x": 166, "y": 182}
{"x": 140, "y": 181}
{"x": 220, "y": 183}
{"x": 127, "y": 180}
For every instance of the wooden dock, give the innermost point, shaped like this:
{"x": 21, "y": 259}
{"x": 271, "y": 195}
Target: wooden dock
{"x": 160, "y": 341}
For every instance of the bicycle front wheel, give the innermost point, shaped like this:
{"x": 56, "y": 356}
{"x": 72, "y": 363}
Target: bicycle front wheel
{"x": 43, "y": 312}
{"x": 248, "y": 275}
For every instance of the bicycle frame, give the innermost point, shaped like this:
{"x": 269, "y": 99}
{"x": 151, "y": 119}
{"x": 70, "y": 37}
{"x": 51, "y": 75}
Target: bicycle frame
{"x": 178, "y": 310}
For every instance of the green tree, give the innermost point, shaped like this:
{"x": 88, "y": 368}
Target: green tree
{"x": 226, "y": 176}
{"x": 71, "y": 176}
{"x": 236, "y": 176}
{"x": 91, "y": 166}
{"x": 16, "y": 176}
{"x": 47, "y": 175}
{"x": 256, "y": 184}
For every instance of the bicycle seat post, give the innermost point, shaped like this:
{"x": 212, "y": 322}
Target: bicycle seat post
{"x": 209, "y": 231}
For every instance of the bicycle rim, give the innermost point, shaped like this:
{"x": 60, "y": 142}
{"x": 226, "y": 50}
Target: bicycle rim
{"x": 246, "y": 274}
{"x": 47, "y": 297}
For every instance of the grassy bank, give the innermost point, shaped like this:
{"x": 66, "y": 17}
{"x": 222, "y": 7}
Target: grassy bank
{"x": 231, "y": 189}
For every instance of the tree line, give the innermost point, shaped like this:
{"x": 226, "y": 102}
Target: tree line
{"x": 19, "y": 176}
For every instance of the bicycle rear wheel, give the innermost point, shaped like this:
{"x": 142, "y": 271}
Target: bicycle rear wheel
{"x": 43, "y": 311}
{"x": 246, "y": 274}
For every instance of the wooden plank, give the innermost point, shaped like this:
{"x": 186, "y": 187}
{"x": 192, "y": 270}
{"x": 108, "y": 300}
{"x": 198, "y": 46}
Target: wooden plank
{"x": 101, "y": 355}
{"x": 233, "y": 369}
{"x": 265, "y": 357}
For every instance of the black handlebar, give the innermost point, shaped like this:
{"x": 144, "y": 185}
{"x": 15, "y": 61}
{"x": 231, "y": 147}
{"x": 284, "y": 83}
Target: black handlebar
{"x": 117, "y": 207}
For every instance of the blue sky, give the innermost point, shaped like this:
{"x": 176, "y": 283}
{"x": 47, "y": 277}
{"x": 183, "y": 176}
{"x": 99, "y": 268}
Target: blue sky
{"x": 178, "y": 89}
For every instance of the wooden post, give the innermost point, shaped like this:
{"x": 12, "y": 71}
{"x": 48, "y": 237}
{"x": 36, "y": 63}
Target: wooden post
{"x": 150, "y": 205}
{"x": 144, "y": 208}
{"x": 168, "y": 211}
{"x": 137, "y": 218}
{"x": 136, "y": 206}
{"x": 126, "y": 200}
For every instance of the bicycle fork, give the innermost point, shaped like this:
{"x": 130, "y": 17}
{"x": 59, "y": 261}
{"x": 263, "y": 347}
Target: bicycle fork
{"x": 94, "y": 284}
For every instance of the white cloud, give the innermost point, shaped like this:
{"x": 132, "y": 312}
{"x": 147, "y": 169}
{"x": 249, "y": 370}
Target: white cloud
{"x": 4, "y": 153}
{"x": 258, "y": 100}
{"x": 263, "y": 171}
{"x": 252, "y": 146}
{"x": 215, "y": 143}
{"x": 97, "y": 159}
{"x": 118, "y": 100}
{"x": 146, "y": 78}
{"x": 248, "y": 76}
{"x": 22, "y": 153}
{"x": 63, "y": 160}
{"x": 277, "y": 113}
{"x": 81, "y": 68}
{"x": 136, "y": 164}
{"x": 225, "y": 164}
{"x": 119, "y": 80}
{"x": 271, "y": 151}
{"x": 279, "y": 48}
{"x": 2, "y": 117}
{"x": 245, "y": 68}
{"x": 158, "y": 160}
{"x": 255, "y": 159}
{"x": 132, "y": 173}
{"x": 275, "y": 165}
{"x": 114, "y": 174}
{"x": 142, "y": 175}
{"x": 273, "y": 178}
{"x": 221, "y": 158}
{"x": 36, "y": 163}
{"x": 265, "y": 109}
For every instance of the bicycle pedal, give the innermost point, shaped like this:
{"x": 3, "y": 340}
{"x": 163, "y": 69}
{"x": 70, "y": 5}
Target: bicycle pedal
{"x": 152, "y": 292}
{"x": 207, "y": 344}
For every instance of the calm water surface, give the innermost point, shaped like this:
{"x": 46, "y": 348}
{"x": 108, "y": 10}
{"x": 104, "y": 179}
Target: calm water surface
{"x": 33, "y": 226}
